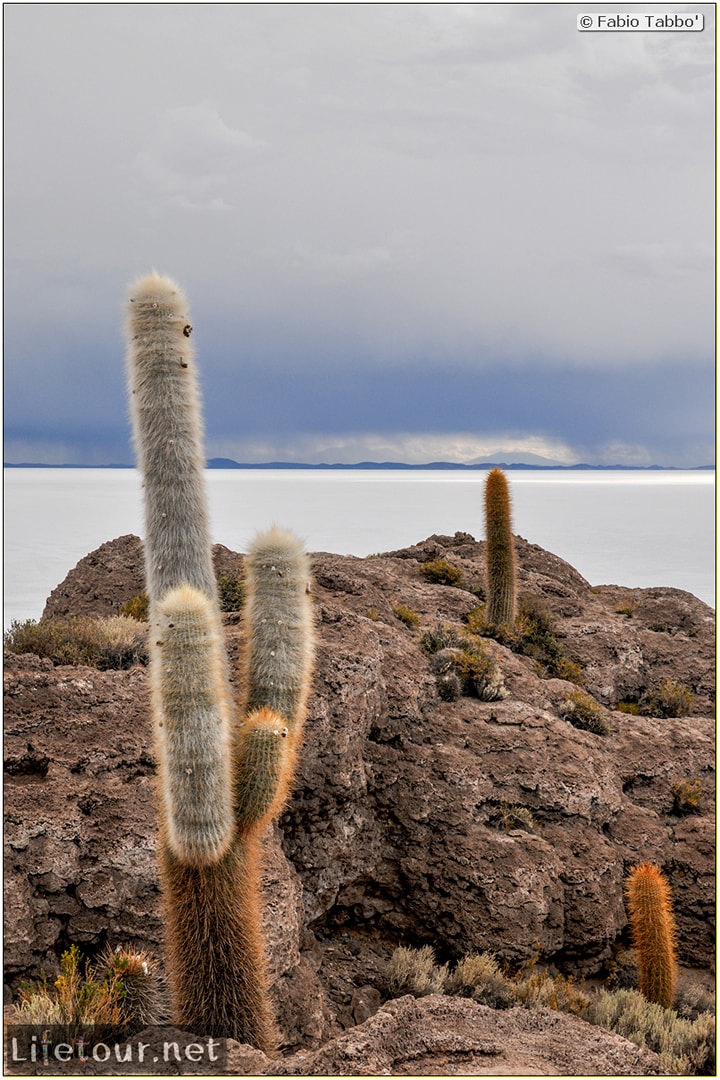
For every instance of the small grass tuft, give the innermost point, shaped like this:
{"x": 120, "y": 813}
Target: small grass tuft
{"x": 670, "y": 699}
{"x": 441, "y": 572}
{"x": 231, "y": 593}
{"x": 688, "y": 796}
{"x": 406, "y": 615}
{"x": 137, "y": 607}
{"x": 583, "y": 712}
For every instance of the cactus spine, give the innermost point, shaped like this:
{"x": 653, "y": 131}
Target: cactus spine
{"x": 653, "y": 930}
{"x": 499, "y": 551}
{"x": 220, "y": 784}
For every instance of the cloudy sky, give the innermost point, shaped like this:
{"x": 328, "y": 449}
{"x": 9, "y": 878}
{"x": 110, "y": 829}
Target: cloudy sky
{"x": 407, "y": 231}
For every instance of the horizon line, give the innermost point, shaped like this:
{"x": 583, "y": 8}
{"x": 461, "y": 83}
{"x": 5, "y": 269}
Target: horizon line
{"x": 230, "y": 463}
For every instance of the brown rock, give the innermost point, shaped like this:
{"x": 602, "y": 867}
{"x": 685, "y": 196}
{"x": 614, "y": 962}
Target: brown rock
{"x": 440, "y": 1036}
{"x": 114, "y": 573}
{"x": 467, "y": 825}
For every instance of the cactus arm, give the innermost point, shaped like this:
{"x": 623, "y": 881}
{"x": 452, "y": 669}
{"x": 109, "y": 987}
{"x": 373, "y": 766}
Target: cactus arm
{"x": 168, "y": 435}
{"x": 265, "y": 759}
{"x": 192, "y": 709}
{"x": 278, "y": 618}
{"x": 499, "y": 551}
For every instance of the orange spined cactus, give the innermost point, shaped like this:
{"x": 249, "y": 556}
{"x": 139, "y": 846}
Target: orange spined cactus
{"x": 500, "y": 551}
{"x": 653, "y": 931}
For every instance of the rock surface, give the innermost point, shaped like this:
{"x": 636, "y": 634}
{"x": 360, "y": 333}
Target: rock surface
{"x": 440, "y": 1036}
{"x": 467, "y": 825}
{"x": 434, "y": 1036}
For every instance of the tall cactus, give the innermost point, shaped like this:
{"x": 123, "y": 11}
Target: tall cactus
{"x": 219, "y": 783}
{"x": 499, "y": 551}
{"x": 653, "y": 931}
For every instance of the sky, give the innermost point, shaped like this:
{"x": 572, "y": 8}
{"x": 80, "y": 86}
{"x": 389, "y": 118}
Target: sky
{"x": 408, "y": 232}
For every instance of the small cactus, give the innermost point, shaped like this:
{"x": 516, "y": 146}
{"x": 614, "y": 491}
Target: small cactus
{"x": 653, "y": 931}
{"x": 500, "y": 552}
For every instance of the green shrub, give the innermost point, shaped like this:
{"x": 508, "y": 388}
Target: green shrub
{"x": 111, "y": 643}
{"x": 406, "y": 615}
{"x": 441, "y": 637}
{"x": 122, "y": 991}
{"x": 231, "y": 593}
{"x": 137, "y": 607}
{"x": 583, "y": 712}
{"x": 670, "y": 699}
{"x": 537, "y": 638}
{"x": 441, "y": 572}
{"x": 686, "y": 1047}
{"x": 628, "y": 706}
{"x": 479, "y": 675}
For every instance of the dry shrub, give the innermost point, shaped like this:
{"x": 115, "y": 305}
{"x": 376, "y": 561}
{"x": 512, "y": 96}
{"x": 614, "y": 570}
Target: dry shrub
{"x": 671, "y": 698}
{"x": 583, "y": 712}
{"x": 538, "y": 989}
{"x": 441, "y": 572}
{"x": 414, "y": 971}
{"x": 478, "y": 976}
{"x": 79, "y": 999}
{"x": 123, "y": 991}
{"x": 685, "y": 1047}
{"x": 111, "y": 643}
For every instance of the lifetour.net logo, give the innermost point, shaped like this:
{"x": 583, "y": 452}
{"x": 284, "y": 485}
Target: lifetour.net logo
{"x": 35, "y": 1050}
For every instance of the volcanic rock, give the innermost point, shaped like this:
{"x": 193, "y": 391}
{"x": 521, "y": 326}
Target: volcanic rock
{"x": 468, "y": 825}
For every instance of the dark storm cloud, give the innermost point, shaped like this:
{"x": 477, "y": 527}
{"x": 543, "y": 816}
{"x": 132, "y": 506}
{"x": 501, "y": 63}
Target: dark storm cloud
{"x": 598, "y": 413}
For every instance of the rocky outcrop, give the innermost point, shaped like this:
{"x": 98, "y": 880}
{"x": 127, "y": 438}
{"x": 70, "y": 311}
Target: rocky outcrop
{"x": 114, "y": 573}
{"x": 439, "y": 1036}
{"x": 433, "y": 1036}
{"x": 467, "y": 825}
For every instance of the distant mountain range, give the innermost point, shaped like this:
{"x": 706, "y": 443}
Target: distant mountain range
{"x": 228, "y": 463}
